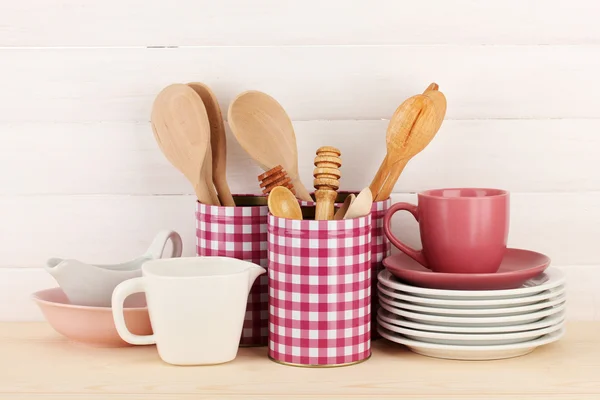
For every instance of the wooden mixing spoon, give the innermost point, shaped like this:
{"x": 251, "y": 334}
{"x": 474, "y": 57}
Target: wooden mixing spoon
{"x": 265, "y": 132}
{"x": 411, "y": 129}
{"x": 218, "y": 142}
{"x": 181, "y": 129}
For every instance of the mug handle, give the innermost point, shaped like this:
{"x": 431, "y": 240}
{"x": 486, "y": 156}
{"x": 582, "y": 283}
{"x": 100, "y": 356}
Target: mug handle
{"x": 155, "y": 251}
{"x": 416, "y": 255}
{"x": 124, "y": 289}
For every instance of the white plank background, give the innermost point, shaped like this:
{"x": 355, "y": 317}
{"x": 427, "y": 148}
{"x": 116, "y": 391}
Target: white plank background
{"x": 123, "y": 158}
{"x": 312, "y": 83}
{"x": 307, "y": 22}
{"x": 82, "y": 176}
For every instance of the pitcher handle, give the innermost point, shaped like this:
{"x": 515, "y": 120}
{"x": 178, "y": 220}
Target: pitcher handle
{"x": 157, "y": 247}
{"x": 121, "y": 292}
{"x": 416, "y": 255}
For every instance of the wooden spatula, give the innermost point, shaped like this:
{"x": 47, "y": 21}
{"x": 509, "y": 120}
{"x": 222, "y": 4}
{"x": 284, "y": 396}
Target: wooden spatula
{"x": 182, "y": 131}
{"x": 411, "y": 128}
{"x": 264, "y": 130}
{"x": 218, "y": 142}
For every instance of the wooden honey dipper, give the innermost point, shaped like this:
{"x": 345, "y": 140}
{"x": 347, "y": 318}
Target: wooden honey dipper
{"x": 327, "y": 175}
{"x": 273, "y": 178}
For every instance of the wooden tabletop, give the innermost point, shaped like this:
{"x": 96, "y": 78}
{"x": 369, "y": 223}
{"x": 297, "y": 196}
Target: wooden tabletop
{"x": 38, "y": 363}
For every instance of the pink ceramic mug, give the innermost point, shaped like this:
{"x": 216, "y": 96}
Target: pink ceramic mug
{"x": 463, "y": 230}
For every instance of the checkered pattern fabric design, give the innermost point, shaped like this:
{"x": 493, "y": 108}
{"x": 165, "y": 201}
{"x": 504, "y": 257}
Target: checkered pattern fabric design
{"x": 239, "y": 232}
{"x": 319, "y": 291}
{"x": 380, "y": 249}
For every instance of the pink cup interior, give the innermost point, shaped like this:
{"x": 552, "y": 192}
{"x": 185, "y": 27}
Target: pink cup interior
{"x": 464, "y": 193}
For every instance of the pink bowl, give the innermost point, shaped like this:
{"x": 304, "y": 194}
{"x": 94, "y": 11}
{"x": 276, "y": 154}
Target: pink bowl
{"x": 92, "y": 325}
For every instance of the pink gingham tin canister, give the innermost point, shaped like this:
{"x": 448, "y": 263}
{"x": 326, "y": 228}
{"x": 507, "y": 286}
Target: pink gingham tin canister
{"x": 240, "y": 232}
{"x": 319, "y": 291}
{"x": 380, "y": 249}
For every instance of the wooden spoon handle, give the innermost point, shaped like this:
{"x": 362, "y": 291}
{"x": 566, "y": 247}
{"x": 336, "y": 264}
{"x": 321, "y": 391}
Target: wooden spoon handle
{"x": 300, "y": 190}
{"x": 207, "y": 176}
{"x": 223, "y": 191}
{"x": 380, "y": 177}
{"x": 392, "y": 178}
{"x": 202, "y": 193}
{"x": 433, "y": 86}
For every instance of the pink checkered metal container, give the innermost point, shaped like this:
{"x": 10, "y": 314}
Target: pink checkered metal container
{"x": 240, "y": 232}
{"x": 319, "y": 291}
{"x": 380, "y": 249}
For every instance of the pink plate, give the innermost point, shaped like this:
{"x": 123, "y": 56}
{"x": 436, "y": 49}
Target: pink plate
{"x": 92, "y": 325}
{"x": 517, "y": 267}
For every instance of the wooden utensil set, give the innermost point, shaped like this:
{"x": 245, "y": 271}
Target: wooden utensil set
{"x": 188, "y": 126}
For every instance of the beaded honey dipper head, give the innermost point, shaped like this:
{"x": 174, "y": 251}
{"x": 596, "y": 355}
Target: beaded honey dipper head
{"x": 327, "y": 180}
{"x": 275, "y": 177}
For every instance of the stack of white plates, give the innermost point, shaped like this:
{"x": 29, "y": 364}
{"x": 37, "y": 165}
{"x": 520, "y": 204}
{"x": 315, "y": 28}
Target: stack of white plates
{"x": 473, "y": 324}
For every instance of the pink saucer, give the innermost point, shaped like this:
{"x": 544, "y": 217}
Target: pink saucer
{"x": 517, "y": 267}
{"x": 92, "y": 325}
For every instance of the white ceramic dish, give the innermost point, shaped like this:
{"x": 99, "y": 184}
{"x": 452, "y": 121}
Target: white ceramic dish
{"x": 501, "y": 320}
{"x": 471, "y": 303}
{"x": 464, "y": 339}
{"x": 474, "y": 353}
{"x": 92, "y": 285}
{"x": 551, "y": 278}
{"x": 482, "y": 312}
{"x": 543, "y": 323}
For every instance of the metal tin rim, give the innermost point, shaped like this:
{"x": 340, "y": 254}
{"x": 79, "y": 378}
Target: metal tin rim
{"x": 320, "y": 365}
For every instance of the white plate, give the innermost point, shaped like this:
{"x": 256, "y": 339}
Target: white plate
{"x": 464, "y": 339}
{"x": 482, "y": 312}
{"x": 543, "y": 323}
{"x": 501, "y": 320}
{"x": 453, "y": 352}
{"x": 472, "y": 303}
{"x": 551, "y": 278}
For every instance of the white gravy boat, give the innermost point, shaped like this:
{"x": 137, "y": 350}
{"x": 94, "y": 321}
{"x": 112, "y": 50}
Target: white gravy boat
{"x": 93, "y": 284}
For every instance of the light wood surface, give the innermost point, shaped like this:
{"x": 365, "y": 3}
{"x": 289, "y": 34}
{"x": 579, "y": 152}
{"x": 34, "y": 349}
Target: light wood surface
{"x": 38, "y": 363}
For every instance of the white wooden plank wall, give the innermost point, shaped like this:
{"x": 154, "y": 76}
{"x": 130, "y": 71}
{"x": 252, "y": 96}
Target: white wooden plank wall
{"x": 82, "y": 176}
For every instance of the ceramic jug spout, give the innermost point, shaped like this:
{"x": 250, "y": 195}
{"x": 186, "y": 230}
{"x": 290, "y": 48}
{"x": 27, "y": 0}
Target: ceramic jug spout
{"x": 55, "y": 266}
{"x": 254, "y": 271}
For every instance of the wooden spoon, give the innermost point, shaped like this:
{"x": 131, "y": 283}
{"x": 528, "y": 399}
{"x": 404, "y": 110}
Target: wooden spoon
{"x": 265, "y": 131}
{"x": 283, "y": 204}
{"x": 208, "y": 176}
{"x": 341, "y": 212}
{"x": 181, "y": 129}
{"x": 411, "y": 129}
{"x": 218, "y": 142}
{"x": 439, "y": 102}
{"x": 361, "y": 206}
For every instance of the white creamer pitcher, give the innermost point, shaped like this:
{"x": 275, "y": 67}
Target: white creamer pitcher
{"x": 92, "y": 284}
{"x": 196, "y": 306}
